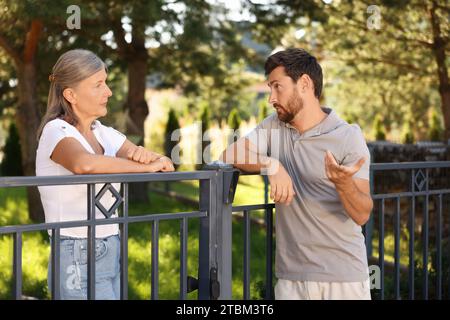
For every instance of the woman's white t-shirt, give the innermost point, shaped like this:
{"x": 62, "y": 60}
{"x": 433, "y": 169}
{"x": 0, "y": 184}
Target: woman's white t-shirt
{"x": 69, "y": 202}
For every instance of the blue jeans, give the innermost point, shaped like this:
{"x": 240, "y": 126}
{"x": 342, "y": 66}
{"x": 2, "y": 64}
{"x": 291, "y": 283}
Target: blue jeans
{"x": 73, "y": 271}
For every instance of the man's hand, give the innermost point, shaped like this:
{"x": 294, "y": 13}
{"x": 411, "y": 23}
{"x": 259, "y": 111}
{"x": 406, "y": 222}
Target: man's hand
{"x": 281, "y": 187}
{"x": 340, "y": 175}
{"x": 353, "y": 192}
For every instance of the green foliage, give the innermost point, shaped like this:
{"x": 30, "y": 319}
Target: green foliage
{"x": 389, "y": 254}
{"x": 272, "y": 22}
{"x": 378, "y": 128}
{"x": 234, "y": 122}
{"x": 7, "y": 95}
{"x": 408, "y": 133}
{"x": 350, "y": 117}
{"x": 436, "y": 129}
{"x": 393, "y": 72}
{"x": 226, "y": 92}
{"x": 263, "y": 110}
{"x": 12, "y": 160}
{"x": 171, "y": 126}
{"x": 234, "y": 119}
{"x": 205, "y": 119}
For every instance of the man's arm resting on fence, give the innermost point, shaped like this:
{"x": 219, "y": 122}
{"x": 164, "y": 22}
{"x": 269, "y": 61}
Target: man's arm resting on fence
{"x": 243, "y": 155}
{"x": 73, "y": 156}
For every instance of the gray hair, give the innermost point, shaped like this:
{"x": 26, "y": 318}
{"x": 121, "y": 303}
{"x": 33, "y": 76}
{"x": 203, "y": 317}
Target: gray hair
{"x": 71, "y": 68}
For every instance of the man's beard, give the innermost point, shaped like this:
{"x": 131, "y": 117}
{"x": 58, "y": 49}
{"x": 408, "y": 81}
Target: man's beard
{"x": 294, "y": 105}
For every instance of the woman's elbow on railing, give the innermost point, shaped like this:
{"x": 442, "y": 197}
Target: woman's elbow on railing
{"x": 82, "y": 169}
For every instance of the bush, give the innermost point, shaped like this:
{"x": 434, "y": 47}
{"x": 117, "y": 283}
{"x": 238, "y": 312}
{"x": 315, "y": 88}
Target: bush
{"x": 263, "y": 110}
{"x": 436, "y": 130}
{"x": 205, "y": 118}
{"x": 234, "y": 120}
{"x": 350, "y": 117}
{"x": 408, "y": 134}
{"x": 12, "y": 161}
{"x": 171, "y": 126}
{"x": 380, "y": 134}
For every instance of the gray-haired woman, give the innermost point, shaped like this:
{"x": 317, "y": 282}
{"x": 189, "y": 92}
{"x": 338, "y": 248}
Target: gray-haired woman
{"x": 73, "y": 141}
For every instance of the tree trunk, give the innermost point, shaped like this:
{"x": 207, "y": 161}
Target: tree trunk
{"x": 439, "y": 45}
{"x": 28, "y": 120}
{"x": 137, "y": 108}
{"x": 27, "y": 115}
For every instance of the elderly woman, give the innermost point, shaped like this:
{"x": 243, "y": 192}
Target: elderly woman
{"x": 73, "y": 141}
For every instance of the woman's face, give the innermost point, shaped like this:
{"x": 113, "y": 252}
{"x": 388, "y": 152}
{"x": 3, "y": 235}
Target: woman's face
{"x": 90, "y": 96}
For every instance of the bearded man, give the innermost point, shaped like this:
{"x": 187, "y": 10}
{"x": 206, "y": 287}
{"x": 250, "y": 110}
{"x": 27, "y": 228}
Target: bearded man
{"x": 318, "y": 170}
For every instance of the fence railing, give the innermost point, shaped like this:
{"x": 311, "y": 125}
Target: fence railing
{"x": 214, "y": 258}
{"x": 421, "y": 192}
{"x": 216, "y": 193}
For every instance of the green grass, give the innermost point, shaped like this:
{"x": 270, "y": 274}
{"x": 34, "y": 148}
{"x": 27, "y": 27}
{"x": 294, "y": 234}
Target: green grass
{"x": 36, "y": 249}
{"x": 250, "y": 189}
{"x": 13, "y": 210}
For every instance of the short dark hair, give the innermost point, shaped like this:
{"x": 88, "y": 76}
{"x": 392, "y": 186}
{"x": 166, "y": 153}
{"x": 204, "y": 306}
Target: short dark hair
{"x": 296, "y": 63}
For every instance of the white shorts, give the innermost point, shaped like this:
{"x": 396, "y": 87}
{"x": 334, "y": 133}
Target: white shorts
{"x": 310, "y": 290}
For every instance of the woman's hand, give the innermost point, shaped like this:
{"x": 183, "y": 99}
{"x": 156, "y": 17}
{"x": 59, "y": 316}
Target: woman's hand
{"x": 163, "y": 164}
{"x": 167, "y": 164}
{"x": 154, "y": 162}
{"x": 142, "y": 155}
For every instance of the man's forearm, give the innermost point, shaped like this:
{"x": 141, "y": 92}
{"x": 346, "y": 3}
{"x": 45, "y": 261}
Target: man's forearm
{"x": 247, "y": 160}
{"x": 357, "y": 204}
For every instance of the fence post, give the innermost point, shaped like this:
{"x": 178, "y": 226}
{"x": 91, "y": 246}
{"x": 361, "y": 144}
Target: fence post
{"x": 221, "y": 228}
{"x": 206, "y": 203}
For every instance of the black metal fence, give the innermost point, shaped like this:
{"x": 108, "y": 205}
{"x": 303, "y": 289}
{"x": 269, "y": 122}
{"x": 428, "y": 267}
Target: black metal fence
{"x": 213, "y": 242}
{"x": 411, "y": 207}
{"x": 217, "y": 188}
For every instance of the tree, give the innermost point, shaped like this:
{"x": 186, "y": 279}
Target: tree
{"x": 171, "y": 126}
{"x": 436, "y": 131}
{"x": 234, "y": 122}
{"x": 401, "y": 65}
{"x": 19, "y": 39}
{"x": 11, "y": 164}
{"x": 177, "y": 41}
{"x": 226, "y": 92}
{"x": 263, "y": 110}
{"x": 205, "y": 119}
{"x": 32, "y": 36}
{"x": 379, "y": 133}
{"x": 408, "y": 133}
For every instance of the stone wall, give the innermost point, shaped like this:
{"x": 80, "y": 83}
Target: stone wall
{"x": 383, "y": 151}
